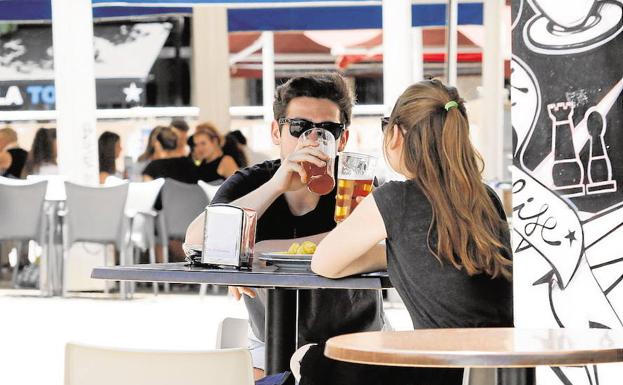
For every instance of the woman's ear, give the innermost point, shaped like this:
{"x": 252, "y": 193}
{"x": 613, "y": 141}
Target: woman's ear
{"x": 395, "y": 141}
{"x": 275, "y": 133}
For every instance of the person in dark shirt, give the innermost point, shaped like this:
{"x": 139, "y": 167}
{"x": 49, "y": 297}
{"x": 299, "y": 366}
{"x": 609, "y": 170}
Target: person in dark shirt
{"x": 180, "y": 128}
{"x": 448, "y": 243}
{"x": 288, "y": 212}
{"x": 171, "y": 166}
{"x": 12, "y": 157}
{"x": 215, "y": 165}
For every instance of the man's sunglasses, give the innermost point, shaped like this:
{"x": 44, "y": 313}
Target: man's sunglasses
{"x": 299, "y": 126}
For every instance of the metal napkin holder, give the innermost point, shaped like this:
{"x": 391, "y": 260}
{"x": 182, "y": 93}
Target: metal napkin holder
{"x": 229, "y": 236}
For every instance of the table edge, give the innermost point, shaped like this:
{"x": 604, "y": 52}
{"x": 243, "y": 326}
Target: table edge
{"x": 225, "y": 278}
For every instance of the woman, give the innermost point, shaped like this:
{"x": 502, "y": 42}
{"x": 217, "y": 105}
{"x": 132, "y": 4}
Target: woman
{"x": 42, "y": 156}
{"x": 447, "y": 240}
{"x": 109, "y": 149}
{"x": 217, "y": 165}
{"x": 234, "y": 146}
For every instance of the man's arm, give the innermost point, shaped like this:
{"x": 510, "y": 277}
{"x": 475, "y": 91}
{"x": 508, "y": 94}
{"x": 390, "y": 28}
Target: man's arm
{"x": 289, "y": 177}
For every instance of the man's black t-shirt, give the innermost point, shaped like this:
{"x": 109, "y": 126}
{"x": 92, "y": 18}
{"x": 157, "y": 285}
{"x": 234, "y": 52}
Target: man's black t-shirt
{"x": 181, "y": 169}
{"x": 18, "y": 160}
{"x": 323, "y": 313}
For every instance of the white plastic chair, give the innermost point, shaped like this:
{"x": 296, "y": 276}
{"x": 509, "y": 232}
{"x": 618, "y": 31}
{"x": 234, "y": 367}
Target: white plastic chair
{"x": 105, "y": 366}
{"x": 232, "y": 333}
{"x": 139, "y": 208}
{"x": 22, "y": 215}
{"x": 56, "y": 186}
{"x": 209, "y": 189}
{"x": 96, "y": 214}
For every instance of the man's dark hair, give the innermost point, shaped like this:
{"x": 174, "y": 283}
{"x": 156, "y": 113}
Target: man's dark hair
{"x": 191, "y": 143}
{"x": 167, "y": 139}
{"x": 180, "y": 124}
{"x": 329, "y": 85}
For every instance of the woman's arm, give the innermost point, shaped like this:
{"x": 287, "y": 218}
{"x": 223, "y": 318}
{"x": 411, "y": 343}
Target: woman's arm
{"x": 227, "y": 167}
{"x": 352, "y": 247}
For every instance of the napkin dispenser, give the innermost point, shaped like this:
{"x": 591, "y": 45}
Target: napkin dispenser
{"x": 229, "y": 236}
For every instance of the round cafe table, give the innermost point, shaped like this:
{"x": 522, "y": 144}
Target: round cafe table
{"x": 516, "y": 352}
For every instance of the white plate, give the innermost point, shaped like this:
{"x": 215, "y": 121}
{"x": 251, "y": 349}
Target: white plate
{"x": 282, "y": 255}
{"x": 287, "y": 261}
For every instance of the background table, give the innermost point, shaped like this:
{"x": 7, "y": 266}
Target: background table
{"x": 520, "y": 350}
{"x": 280, "y": 325}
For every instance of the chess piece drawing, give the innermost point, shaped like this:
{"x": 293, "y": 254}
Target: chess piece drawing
{"x": 599, "y": 166}
{"x": 567, "y": 170}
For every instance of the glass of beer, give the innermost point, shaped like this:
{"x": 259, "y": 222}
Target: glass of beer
{"x": 320, "y": 180}
{"x": 355, "y": 174}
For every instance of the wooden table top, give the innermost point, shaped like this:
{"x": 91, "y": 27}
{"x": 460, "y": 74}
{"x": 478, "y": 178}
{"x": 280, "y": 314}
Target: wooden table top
{"x": 260, "y": 276}
{"x": 488, "y": 348}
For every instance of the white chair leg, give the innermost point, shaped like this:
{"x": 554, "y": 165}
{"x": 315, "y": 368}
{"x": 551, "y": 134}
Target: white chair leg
{"x": 203, "y": 289}
{"x": 62, "y": 269}
{"x": 18, "y": 252}
{"x": 466, "y": 376}
{"x": 123, "y": 285}
{"x": 165, "y": 259}
{"x": 152, "y": 260}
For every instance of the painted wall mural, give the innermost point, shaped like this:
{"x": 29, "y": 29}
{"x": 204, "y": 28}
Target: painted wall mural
{"x": 567, "y": 118}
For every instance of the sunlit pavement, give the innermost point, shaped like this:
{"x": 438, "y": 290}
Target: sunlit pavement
{"x": 35, "y": 330}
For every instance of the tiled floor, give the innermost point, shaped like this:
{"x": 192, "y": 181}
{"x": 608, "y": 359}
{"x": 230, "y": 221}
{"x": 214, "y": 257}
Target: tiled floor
{"x": 34, "y": 330}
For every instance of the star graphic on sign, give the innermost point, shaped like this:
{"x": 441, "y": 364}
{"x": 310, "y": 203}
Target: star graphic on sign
{"x": 571, "y": 237}
{"x": 132, "y": 93}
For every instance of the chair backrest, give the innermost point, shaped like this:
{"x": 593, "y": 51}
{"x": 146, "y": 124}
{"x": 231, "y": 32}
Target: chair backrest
{"x": 209, "y": 189}
{"x": 181, "y": 203}
{"x": 96, "y": 214}
{"x": 142, "y": 196}
{"x": 105, "y": 366}
{"x": 232, "y": 333}
{"x": 56, "y": 186}
{"x": 21, "y": 209}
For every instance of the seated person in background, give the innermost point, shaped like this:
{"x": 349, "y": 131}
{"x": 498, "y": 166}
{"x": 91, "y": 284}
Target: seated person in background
{"x": 216, "y": 164}
{"x": 41, "y": 159}
{"x": 197, "y": 159}
{"x": 288, "y": 212}
{"x": 12, "y": 157}
{"x": 170, "y": 165}
{"x": 153, "y": 151}
{"x": 448, "y": 248}
{"x": 234, "y": 147}
{"x": 109, "y": 149}
{"x": 180, "y": 128}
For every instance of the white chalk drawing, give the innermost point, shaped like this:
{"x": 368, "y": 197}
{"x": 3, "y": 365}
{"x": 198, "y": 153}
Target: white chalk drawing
{"x": 560, "y": 168}
{"x": 525, "y": 100}
{"x": 567, "y": 172}
{"x": 516, "y": 14}
{"x": 563, "y": 27}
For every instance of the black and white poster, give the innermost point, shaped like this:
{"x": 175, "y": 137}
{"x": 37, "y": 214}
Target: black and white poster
{"x": 567, "y": 118}
{"x": 124, "y": 55}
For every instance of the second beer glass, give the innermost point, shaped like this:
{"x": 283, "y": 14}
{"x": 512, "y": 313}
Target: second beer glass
{"x": 355, "y": 174}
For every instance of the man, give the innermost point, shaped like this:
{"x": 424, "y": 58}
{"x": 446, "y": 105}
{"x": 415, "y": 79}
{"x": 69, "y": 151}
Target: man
{"x": 12, "y": 158}
{"x": 180, "y": 128}
{"x": 288, "y": 211}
